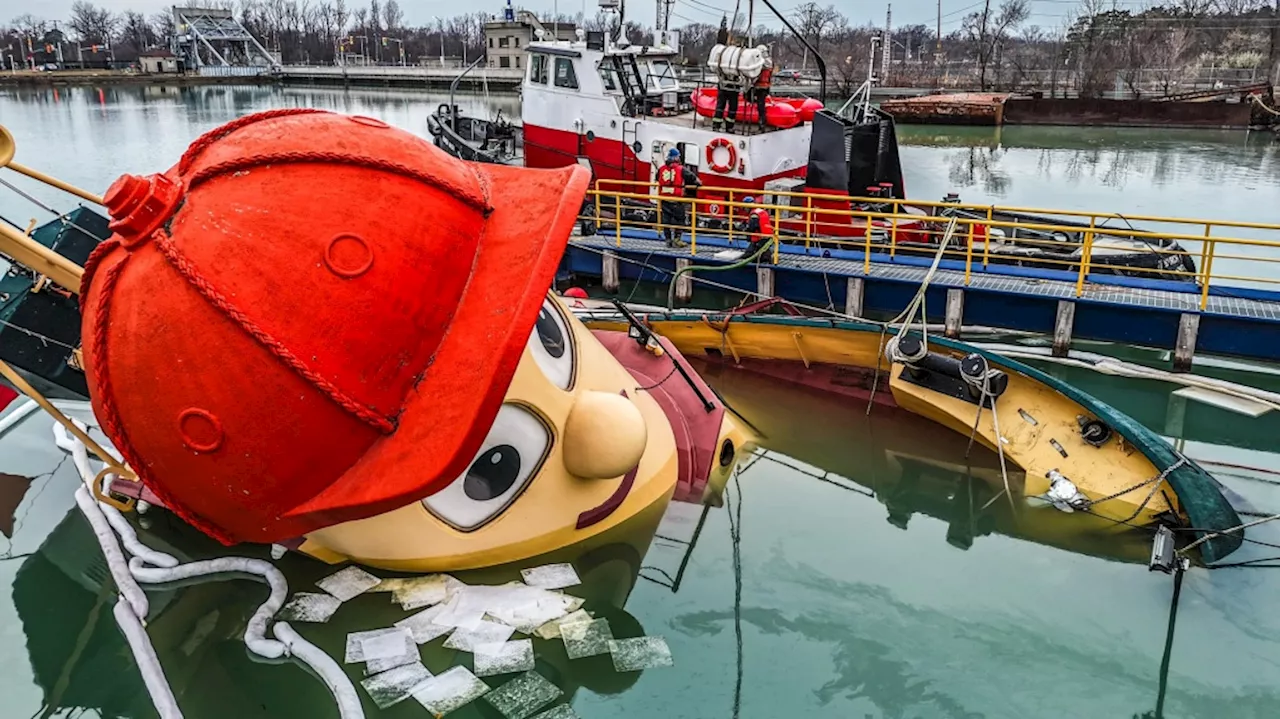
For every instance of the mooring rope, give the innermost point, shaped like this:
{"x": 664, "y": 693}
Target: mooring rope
{"x": 1210, "y": 534}
{"x": 1258, "y": 99}
{"x": 907, "y": 317}
{"x": 982, "y": 382}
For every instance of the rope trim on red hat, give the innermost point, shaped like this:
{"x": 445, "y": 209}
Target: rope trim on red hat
{"x": 91, "y": 265}
{"x": 364, "y": 413}
{"x": 468, "y": 196}
{"x": 204, "y": 141}
{"x": 111, "y": 423}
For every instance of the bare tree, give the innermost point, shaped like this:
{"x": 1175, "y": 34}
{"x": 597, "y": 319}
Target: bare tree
{"x": 814, "y": 23}
{"x": 29, "y": 25}
{"x": 392, "y": 15}
{"x": 162, "y": 27}
{"x": 987, "y": 31}
{"x": 92, "y": 24}
{"x": 136, "y": 32}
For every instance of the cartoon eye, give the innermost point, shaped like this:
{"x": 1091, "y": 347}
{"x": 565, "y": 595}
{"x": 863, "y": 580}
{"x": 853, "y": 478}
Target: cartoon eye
{"x": 513, "y": 452}
{"x": 551, "y": 343}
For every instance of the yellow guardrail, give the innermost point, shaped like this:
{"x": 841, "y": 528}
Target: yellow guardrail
{"x": 1074, "y": 241}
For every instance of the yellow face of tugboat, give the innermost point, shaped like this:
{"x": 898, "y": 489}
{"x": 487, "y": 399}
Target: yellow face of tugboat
{"x": 574, "y": 451}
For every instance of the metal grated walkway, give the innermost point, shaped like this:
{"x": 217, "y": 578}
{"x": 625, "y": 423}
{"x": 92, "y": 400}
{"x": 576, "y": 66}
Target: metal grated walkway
{"x": 1045, "y": 288}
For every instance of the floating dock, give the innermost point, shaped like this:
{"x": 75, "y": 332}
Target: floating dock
{"x": 1208, "y": 312}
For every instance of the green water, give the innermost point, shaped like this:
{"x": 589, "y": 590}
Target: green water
{"x": 867, "y": 579}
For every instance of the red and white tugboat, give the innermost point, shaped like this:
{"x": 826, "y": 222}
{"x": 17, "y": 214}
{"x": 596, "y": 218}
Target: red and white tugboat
{"x": 619, "y": 109}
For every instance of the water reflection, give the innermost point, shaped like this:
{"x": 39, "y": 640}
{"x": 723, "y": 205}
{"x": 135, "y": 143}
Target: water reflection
{"x": 912, "y": 467}
{"x": 1081, "y": 168}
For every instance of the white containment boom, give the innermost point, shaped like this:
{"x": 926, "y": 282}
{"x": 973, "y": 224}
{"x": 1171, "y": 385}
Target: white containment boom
{"x": 739, "y": 64}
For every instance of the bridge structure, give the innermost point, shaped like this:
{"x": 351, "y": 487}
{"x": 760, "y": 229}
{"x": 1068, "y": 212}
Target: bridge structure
{"x": 212, "y": 41}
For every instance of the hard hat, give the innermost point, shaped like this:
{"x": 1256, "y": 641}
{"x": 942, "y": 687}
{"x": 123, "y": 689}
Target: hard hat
{"x": 314, "y": 318}
{"x": 673, "y": 154}
{"x": 748, "y": 199}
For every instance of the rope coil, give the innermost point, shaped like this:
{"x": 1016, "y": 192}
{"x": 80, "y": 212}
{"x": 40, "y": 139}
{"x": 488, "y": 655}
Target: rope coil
{"x": 131, "y": 610}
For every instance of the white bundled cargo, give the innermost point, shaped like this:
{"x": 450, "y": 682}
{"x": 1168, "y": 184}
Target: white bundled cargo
{"x": 738, "y": 64}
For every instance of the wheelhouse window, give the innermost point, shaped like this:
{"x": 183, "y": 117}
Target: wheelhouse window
{"x": 538, "y": 69}
{"x": 565, "y": 75}
{"x": 609, "y": 76}
{"x": 662, "y": 76}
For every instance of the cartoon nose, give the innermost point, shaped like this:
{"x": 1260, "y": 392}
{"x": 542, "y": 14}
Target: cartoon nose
{"x": 604, "y": 436}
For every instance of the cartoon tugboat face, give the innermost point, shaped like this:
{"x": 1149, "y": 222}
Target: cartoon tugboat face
{"x": 574, "y": 451}
{"x": 321, "y": 331}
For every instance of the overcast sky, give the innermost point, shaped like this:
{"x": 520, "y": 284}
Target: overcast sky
{"x": 1047, "y": 13}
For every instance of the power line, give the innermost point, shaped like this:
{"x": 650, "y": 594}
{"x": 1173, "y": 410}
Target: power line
{"x": 708, "y": 6}
{"x": 689, "y": 20}
{"x": 963, "y": 9}
{"x": 697, "y": 7}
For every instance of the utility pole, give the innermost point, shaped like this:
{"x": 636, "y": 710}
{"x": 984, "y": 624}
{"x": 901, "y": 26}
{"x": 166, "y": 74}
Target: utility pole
{"x": 937, "y": 51}
{"x": 888, "y": 43}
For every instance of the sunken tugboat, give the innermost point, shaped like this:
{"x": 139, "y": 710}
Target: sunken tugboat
{"x": 438, "y": 411}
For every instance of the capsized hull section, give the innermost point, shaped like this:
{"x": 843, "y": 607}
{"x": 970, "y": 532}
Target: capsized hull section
{"x": 1127, "y": 464}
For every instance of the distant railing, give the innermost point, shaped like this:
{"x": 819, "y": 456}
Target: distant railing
{"x": 435, "y": 71}
{"x": 1079, "y": 244}
{"x": 233, "y": 70}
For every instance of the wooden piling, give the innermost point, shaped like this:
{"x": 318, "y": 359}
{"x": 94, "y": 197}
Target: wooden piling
{"x": 1062, "y": 326}
{"x": 955, "y": 312}
{"x": 854, "y": 290}
{"x": 764, "y": 281}
{"x": 609, "y": 271}
{"x": 684, "y": 285}
{"x": 1185, "y": 346}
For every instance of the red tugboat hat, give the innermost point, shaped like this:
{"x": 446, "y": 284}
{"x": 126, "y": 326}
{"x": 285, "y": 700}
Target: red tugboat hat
{"x": 314, "y": 318}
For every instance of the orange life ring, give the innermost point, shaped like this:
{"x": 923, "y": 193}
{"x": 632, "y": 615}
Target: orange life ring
{"x": 711, "y": 155}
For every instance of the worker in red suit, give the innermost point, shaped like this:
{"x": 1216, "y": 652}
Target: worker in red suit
{"x": 758, "y": 225}
{"x": 675, "y": 180}
{"x": 759, "y": 93}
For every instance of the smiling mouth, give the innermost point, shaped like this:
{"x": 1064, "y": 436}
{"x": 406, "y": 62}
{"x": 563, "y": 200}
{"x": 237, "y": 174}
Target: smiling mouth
{"x": 611, "y": 504}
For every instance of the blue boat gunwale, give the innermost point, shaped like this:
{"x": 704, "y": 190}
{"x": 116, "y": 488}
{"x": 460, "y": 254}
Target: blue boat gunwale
{"x": 1198, "y": 492}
